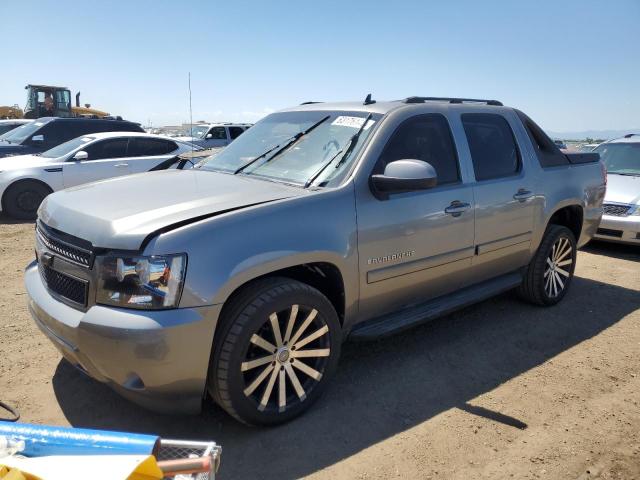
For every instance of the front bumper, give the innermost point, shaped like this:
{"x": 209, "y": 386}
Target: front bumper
{"x": 158, "y": 359}
{"x": 619, "y": 229}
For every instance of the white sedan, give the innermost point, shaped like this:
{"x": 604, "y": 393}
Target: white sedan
{"x": 25, "y": 180}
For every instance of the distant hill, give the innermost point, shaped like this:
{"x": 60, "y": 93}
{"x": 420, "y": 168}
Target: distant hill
{"x": 595, "y": 134}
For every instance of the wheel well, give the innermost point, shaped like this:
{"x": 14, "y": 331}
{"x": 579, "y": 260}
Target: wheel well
{"x": 570, "y": 217}
{"x": 23, "y": 180}
{"x": 325, "y": 277}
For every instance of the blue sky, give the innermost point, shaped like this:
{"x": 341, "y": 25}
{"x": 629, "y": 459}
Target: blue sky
{"x": 571, "y": 65}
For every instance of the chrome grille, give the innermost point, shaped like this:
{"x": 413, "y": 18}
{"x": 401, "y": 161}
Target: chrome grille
{"x": 70, "y": 252}
{"x": 616, "y": 210}
{"x": 66, "y": 286}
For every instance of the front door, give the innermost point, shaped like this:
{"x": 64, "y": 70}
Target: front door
{"x": 503, "y": 194}
{"x": 216, "y": 137}
{"x": 416, "y": 246}
{"x": 106, "y": 159}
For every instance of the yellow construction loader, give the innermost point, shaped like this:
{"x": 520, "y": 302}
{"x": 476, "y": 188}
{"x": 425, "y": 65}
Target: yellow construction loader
{"x": 49, "y": 101}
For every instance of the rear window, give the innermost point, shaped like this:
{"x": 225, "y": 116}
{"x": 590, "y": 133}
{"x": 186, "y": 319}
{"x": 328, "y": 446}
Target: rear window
{"x": 146, "y": 147}
{"x": 547, "y": 151}
{"x": 494, "y": 152}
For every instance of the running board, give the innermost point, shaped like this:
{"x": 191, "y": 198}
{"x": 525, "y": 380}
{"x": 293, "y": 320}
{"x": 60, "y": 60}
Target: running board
{"x": 424, "y": 312}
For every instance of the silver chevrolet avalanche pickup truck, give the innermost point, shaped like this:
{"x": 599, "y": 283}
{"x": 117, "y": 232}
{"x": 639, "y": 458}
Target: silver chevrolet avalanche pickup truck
{"x": 242, "y": 276}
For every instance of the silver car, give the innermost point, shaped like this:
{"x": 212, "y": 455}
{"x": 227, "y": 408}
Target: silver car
{"x": 621, "y": 219}
{"x": 241, "y": 277}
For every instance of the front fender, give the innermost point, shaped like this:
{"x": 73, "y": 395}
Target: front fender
{"x": 227, "y": 251}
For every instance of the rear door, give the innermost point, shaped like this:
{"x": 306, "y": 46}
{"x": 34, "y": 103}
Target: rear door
{"x": 503, "y": 193}
{"x": 106, "y": 159}
{"x": 146, "y": 153}
{"x": 235, "y": 132}
{"x": 418, "y": 245}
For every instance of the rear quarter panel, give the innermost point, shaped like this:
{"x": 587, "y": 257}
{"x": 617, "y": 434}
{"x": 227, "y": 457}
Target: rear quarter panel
{"x": 562, "y": 186}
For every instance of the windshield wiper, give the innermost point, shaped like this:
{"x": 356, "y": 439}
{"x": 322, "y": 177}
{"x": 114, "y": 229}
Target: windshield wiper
{"x": 352, "y": 144}
{"x": 287, "y": 144}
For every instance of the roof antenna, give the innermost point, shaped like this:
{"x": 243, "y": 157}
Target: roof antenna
{"x": 190, "y": 116}
{"x": 368, "y": 101}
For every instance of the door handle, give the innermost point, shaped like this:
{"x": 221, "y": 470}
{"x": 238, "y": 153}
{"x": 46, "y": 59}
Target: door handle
{"x": 523, "y": 194}
{"x": 457, "y": 208}
{"x": 121, "y": 165}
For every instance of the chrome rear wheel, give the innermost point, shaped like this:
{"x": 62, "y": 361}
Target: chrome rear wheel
{"x": 548, "y": 276}
{"x": 559, "y": 267}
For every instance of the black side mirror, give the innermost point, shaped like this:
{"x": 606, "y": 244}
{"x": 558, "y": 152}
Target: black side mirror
{"x": 404, "y": 176}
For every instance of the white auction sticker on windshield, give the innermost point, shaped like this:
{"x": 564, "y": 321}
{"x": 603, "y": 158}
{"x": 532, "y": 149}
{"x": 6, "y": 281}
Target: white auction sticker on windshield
{"x": 353, "y": 122}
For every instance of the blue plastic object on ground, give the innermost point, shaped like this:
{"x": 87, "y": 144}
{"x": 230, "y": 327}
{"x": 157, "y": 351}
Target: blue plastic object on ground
{"x": 41, "y": 440}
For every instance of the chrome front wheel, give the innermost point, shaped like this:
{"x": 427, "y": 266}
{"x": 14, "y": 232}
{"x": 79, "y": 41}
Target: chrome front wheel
{"x": 276, "y": 349}
{"x": 286, "y": 358}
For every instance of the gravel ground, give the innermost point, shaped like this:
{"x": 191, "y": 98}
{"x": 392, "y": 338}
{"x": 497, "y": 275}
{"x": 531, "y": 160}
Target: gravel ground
{"x": 498, "y": 390}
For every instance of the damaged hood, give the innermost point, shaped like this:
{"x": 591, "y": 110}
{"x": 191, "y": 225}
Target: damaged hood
{"x": 121, "y": 212}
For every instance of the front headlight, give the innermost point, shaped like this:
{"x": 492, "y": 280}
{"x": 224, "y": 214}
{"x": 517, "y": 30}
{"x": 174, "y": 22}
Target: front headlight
{"x": 152, "y": 283}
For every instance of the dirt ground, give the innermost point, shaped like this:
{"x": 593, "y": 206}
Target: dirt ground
{"x": 498, "y": 390}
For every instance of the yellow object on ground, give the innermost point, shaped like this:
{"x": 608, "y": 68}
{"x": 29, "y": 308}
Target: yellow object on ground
{"x": 15, "y": 474}
{"x": 72, "y": 467}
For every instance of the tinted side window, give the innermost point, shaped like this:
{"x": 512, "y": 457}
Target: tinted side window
{"x": 493, "y": 147}
{"x": 424, "y": 137}
{"x": 111, "y": 148}
{"x": 548, "y": 153}
{"x": 145, "y": 147}
{"x": 218, "y": 133}
{"x": 54, "y": 134}
{"x": 88, "y": 126}
{"x": 235, "y": 132}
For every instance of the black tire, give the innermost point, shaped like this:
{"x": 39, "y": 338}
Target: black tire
{"x": 249, "y": 315}
{"x": 540, "y": 284}
{"x": 22, "y": 199}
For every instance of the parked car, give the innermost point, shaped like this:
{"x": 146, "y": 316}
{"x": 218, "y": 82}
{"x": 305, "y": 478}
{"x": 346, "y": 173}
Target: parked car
{"x": 25, "y": 180}
{"x": 45, "y": 133}
{"x": 621, "y": 220}
{"x": 8, "y": 125}
{"x": 560, "y": 144}
{"x": 215, "y": 134}
{"x": 587, "y": 147}
{"x": 323, "y": 222}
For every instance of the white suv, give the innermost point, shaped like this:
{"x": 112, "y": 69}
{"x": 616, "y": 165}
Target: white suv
{"x": 215, "y": 134}
{"x": 25, "y": 180}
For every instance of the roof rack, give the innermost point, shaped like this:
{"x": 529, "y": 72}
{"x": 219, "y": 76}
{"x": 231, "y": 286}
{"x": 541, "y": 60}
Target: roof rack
{"x": 309, "y": 103}
{"x": 451, "y": 100}
{"x": 629, "y": 135}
